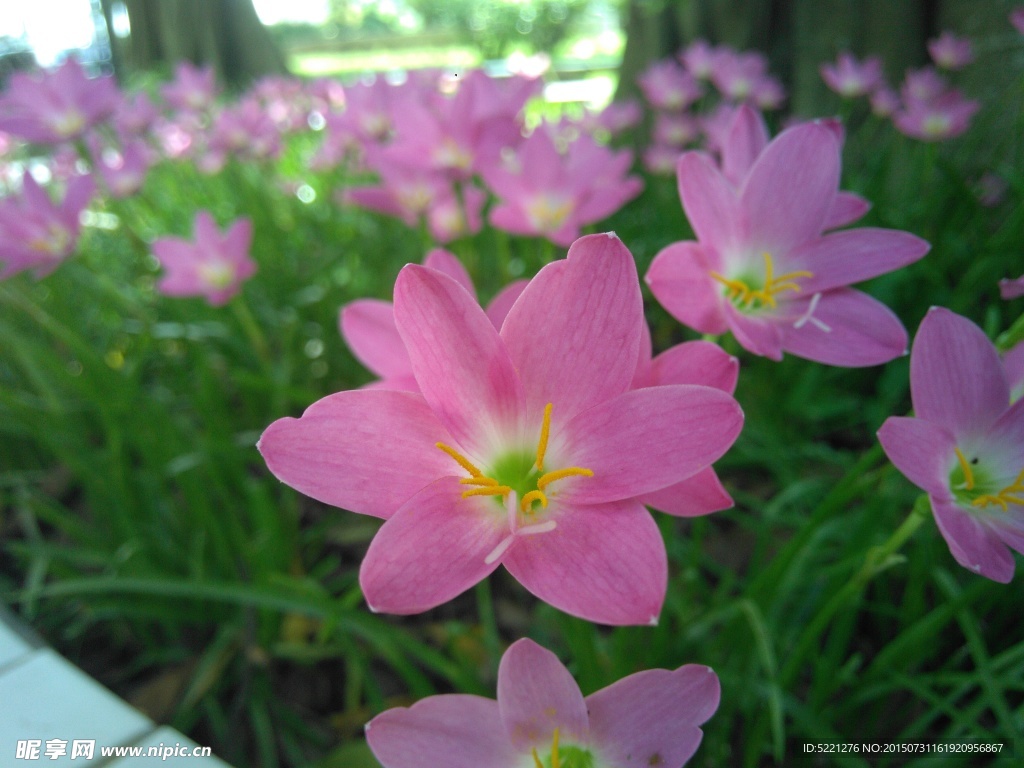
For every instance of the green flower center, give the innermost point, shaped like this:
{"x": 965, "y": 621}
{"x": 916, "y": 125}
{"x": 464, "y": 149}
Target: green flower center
{"x": 563, "y": 756}
{"x": 750, "y": 292}
{"x": 973, "y": 484}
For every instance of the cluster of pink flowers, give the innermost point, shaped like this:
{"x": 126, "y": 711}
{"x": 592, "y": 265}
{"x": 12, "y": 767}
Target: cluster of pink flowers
{"x": 675, "y": 88}
{"x": 431, "y": 149}
{"x": 926, "y": 107}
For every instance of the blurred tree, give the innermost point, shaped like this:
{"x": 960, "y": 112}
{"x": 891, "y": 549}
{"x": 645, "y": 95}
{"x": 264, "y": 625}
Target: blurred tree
{"x": 224, "y": 34}
{"x": 798, "y": 35}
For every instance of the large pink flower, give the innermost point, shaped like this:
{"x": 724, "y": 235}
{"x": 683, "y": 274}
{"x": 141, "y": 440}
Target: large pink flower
{"x": 764, "y": 266}
{"x": 541, "y": 718}
{"x": 965, "y": 444}
{"x": 526, "y": 448}
{"x": 213, "y": 266}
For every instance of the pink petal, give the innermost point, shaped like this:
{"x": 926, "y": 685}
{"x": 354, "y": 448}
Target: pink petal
{"x": 453, "y": 730}
{"x": 574, "y": 331}
{"x": 432, "y": 549}
{"x": 921, "y": 451}
{"x": 844, "y": 258}
{"x": 678, "y": 277}
{"x": 745, "y": 140}
{"x": 956, "y": 377}
{"x": 460, "y": 362}
{"x": 709, "y": 200}
{"x": 536, "y": 695}
{"x": 758, "y": 334}
{"x": 790, "y": 189}
{"x": 447, "y": 262}
{"x": 1004, "y": 444}
{"x": 696, "y": 362}
{"x": 974, "y": 545}
{"x": 653, "y": 717}
{"x": 648, "y": 439}
{"x": 502, "y": 303}
{"x": 205, "y": 230}
{"x": 1011, "y": 289}
{"x": 847, "y": 208}
{"x": 605, "y": 563}
{"x": 861, "y": 330}
{"x": 368, "y": 327}
{"x": 369, "y": 451}
{"x": 699, "y": 495}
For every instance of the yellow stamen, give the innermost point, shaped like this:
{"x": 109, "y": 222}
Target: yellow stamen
{"x": 968, "y": 474}
{"x": 545, "y": 431}
{"x": 527, "y": 503}
{"x": 740, "y": 291}
{"x": 536, "y": 760}
{"x": 555, "y": 759}
{"x": 465, "y": 463}
{"x": 478, "y": 481}
{"x": 549, "y": 477}
{"x": 490, "y": 490}
{"x": 1005, "y": 497}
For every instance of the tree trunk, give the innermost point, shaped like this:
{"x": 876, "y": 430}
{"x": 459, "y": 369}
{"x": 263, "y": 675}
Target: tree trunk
{"x": 224, "y": 34}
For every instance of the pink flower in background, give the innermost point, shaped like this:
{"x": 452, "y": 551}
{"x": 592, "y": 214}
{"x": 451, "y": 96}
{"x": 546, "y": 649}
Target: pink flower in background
{"x": 668, "y": 86}
{"x": 193, "y": 88}
{"x": 211, "y": 265}
{"x": 737, "y": 75}
{"x": 123, "y": 170}
{"x": 368, "y": 325}
{"x": 851, "y": 78}
{"x": 885, "y": 102}
{"x": 768, "y": 93}
{"x": 542, "y": 719}
{"x": 1017, "y": 19}
{"x": 58, "y": 106}
{"x": 661, "y": 160}
{"x": 923, "y": 85}
{"x": 950, "y": 52}
{"x": 943, "y": 117}
{"x": 699, "y": 59}
{"x": 615, "y": 118}
{"x": 762, "y": 267}
{"x": 1012, "y": 289}
{"x": 36, "y": 233}
{"x": 1013, "y": 365}
{"x": 965, "y": 444}
{"x": 551, "y": 194}
{"x": 675, "y": 130}
{"x": 525, "y": 449}
{"x": 245, "y": 131}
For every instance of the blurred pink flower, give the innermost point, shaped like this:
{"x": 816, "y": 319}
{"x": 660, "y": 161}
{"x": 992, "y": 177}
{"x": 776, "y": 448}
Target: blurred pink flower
{"x": 58, "y": 106}
{"x": 542, "y": 719}
{"x": 661, "y": 160}
{"x": 943, "y": 117}
{"x": 1017, "y": 19}
{"x": 211, "y": 265}
{"x": 737, "y": 75}
{"x": 885, "y": 102}
{"x": 526, "y": 448}
{"x": 922, "y": 85}
{"x": 950, "y": 52}
{"x": 193, "y": 88}
{"x": 1013, "y": 364}
{"x": 762, "y": 267}
{"x": 965, "y": 444}
{"x": 36, "y": 233}
{"x": 675, "y": 130}
{"x": 615, "y": 118}
{"x": 851, "y": 78}
{"x": 668, "y": 86}
{"x": 552, "y": 194}
{"x": 1012, "y": 289}
{"x": 123, "y": 170}
{"x": 699, "y": 59}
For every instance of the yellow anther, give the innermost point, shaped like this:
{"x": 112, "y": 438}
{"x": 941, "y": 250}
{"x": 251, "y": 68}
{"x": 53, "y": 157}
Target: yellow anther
{"x": 545, "y": 431}
{"x": 465, "y": 463}
{"x": 1005, "y": 497}
{"x": 549, "y": 477}
{"x": 738, "y": 290}
{"x": 527, "y": 503}
{"x": 968, "y": 474}
{"x": 489, "y": 490}
{"x": 478, "y": 481}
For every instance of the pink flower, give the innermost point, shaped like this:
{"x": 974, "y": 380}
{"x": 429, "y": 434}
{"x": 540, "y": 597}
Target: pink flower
{"x": 193, "y": 88}
{"x": 965, "y": 444}
{"x": 551, "y": 194}
{"x": 761, "y": 266}
{"x": 737, "y": 75}
{"x": 541, "y": 718}
{"x": 699, "y": 59}
{"x": 1017, "y": 19}
{"x": 123, "y": 170}
{"x": 35, "y": 233}
{"x": 950, "y": 52}
{"x": 1013, "y": 364}
{"x": 1012, "y": 289}
{"x": 58, "y": 106}
{"x": 923, "y": 85}
{"x": 526, "y": 448}
{"x": 668, "y": 86}
{"x": 851, "y": 78}
{"x": 943, "y": 117}
{"x": 885, "y": 102}
{"x": 661, "y": 160}
{"x": 368, "y": 325}
{"x": 212, "y": 265}
{"x": 675, "y": 130}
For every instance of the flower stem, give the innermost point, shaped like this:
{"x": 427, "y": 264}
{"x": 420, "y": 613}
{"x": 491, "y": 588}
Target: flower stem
{"x": 252, "y": 329}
